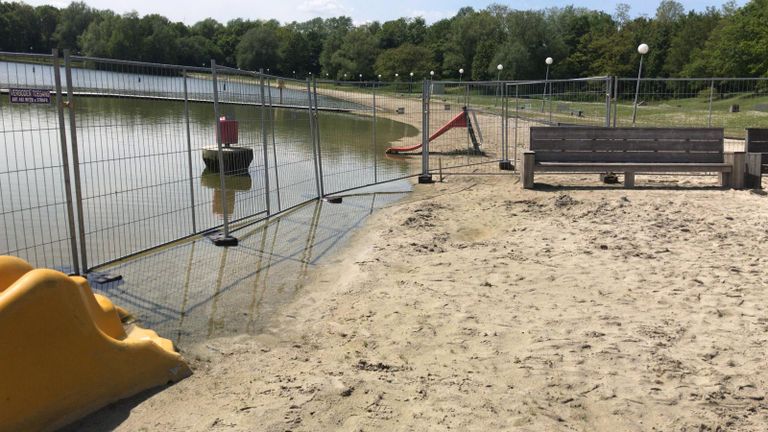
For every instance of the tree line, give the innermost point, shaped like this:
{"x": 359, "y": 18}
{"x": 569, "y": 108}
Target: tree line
{"x": 729, "y": 41}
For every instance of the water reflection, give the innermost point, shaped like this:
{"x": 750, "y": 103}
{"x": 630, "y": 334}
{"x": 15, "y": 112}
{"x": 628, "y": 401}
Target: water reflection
{"x": 232, "y": 184}
{"x": 196, "y": 291}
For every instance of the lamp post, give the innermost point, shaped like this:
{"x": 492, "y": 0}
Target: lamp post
{"x": 499, "y": 68}
{"x": 461, "y": 74}
{"x": 410, "y": 86}
{"x": 643, "y": 50}
{"x": 431, "y": 74}
{"x": 361, "y": 77}
{"x": 549, "y": 62}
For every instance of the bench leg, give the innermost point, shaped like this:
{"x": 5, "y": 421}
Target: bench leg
{"x": 629, "y": 179}
{"x": 738, "y": 162}
{"x": 754, "y": 178}
{"x": 529, "y": 160}
{"x": 725, "y": 179}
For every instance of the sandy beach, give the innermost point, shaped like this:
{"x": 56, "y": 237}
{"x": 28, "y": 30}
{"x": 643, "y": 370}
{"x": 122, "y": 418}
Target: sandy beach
{"x": 477, "y": 305}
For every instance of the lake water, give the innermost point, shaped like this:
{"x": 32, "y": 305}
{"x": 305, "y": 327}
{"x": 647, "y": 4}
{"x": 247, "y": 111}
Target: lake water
{"x": 137, "y": 184}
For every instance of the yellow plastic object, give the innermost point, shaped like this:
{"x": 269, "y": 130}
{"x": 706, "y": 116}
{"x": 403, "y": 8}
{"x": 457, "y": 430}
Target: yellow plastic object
{"x": 64, "y": 352}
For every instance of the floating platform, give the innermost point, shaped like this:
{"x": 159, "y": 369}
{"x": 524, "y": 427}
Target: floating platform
{"x": 235, "y": 159}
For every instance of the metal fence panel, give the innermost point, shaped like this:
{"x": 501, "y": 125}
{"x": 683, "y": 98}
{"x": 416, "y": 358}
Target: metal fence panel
{"x": 731, "y": 103}
{"x": 133, "y": 147}
{"x": 34, "y": 220}
{"x": 134, "y": 132}
{"x": 476, "y": 145}
{"x": 357, "y": 122}
{"x": 576, "y": 102}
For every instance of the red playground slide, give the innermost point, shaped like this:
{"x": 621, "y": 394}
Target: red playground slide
{"x": 460, "y": 120}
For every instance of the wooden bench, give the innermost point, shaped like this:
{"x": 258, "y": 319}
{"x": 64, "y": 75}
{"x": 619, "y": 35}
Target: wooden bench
{"x": 757, "y": 156}
{"x": 631, "y": 150}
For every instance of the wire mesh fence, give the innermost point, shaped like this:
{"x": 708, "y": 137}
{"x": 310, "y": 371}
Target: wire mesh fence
{"x": 35, "y": 200}
{"x": 353, "y": 144}
{"x": 576, "y": 102}
{"x": 734, "y": 104}
{"x": 119, "y": 157}
{"x": 138, "y": 135}
{"x": 466, "y": 127}
{"x": 138, "y": 187}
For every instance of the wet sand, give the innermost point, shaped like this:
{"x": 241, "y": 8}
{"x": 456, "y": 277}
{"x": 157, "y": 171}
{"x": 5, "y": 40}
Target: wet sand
{"x": 476, "y": 305}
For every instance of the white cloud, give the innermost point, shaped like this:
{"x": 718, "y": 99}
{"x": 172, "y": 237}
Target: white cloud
{"x": 324, "y": 8}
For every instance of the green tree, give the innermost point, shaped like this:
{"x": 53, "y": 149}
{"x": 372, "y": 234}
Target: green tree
{"x": 403, "y": 60}
{"x": 738, "y": 47}
{"x": 336, "y": 30}
{"x": 73, "y": 22}
{"x": 47, "y": 18}
{"x": 159, "y": 40}
{"x": 357, "y": 53}
{"x": 259, "y": 47}
{"x": 196, "y": 50}
{"x": 294, "y": 52}
{"x": 689, "y": 40}
{"x": 20, "y": 29}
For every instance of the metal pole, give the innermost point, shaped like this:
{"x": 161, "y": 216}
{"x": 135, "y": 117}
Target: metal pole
{"x": 225, "y": 240}
{"x": 318, "y": 183}
{"x": 615, "y": 100}
{"x": 76, "y": 161}
{"x": 505, "y": 163}
{"x": 637, "y": 91}
{"x": 517, "y": 116}
{"x": 65, "y": 162}
{"x": 317, "y": 139}
{"x": 504, "y": 108}
{"x": 466, "y": 105}
{"x": 711, "y": 94}
{"x": 425, "y": 176}
{"x": 265, "y": 141}
{"x": 608, "y": 90}
{"x": 274, "y": 144}
{"x": 550, "y": 104}
{"x": 375, "y": 156}
{"x": 544, "y": 93}
{"x": 189, "y": 153}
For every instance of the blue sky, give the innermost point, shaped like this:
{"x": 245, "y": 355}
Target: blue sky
{"x": 360, "y": 11}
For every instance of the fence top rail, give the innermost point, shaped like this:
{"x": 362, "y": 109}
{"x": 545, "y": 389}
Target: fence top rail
{"x": 235, "y": 71}
{"x": 140, "y": 64}
{"x": 587, "y": 79}
{"x": 694, "y": 79}
{"x": 369, "y": 83}
{"x": 25, "y": 55}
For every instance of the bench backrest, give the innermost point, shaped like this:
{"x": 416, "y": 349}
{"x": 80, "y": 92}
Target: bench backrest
{"x": 757, "y": 142}
{"x": 631, "y": 145}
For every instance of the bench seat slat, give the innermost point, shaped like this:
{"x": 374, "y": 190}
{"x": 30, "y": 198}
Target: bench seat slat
{"x": 713, "y": 146}
{"x": 630, "y": 167}
{"x": 628, "y": 157}
{"x": 626, "y": 133}
{"x": 757, "y": 147}
{"x": 757, "y": 134}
